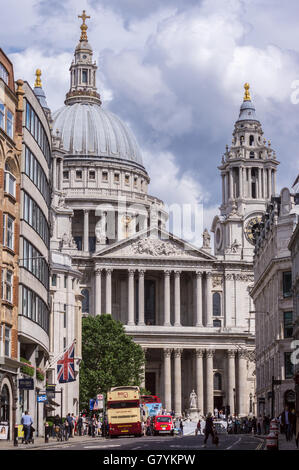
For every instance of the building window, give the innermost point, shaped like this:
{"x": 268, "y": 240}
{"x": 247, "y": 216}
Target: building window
{"x": 251, "y": 140}
{"x": 64, "y": 316}
{"x": 92, "y": 175}
{"x": 135, "y": 180}
{"x": 37, "y": 175}
{"x": 7, "y": 341}
{"x": 84, "y": 76}
{"x": 287, "y": 284}
{"x": 105, "y": 176}
{"x": 9, "y": 123}
{"x": 288, "y": 366}
{"x": 10, "y": 181}
{"x": 78, "y": 174}
{"x": 34, "y": 308}
{"x": 116, "y": 177}
{"x": 34, "y": 261}
{"x": 85, "y": 301}
{"x": 78, "y": 241}
{"x": 35, "y": 127}
{"x": 2, "y": 116}
{"x": 92, "y": 244}
{"x": 7, "y": 278}
{"x": 217, "y": 381}
{"x": 288, "y": 324}
{"x": 217, "y": 323}
{"x": 8, "y": 231}
{"x": 65, "y": 175}
{"x": 127, "y": 179}
{"x": 65, "y": 281}
{"x": 54, "y": 280}
{"x": 216, "y": 304}
{"x": 251, "y": 154}
{"x": 3, "y": 73}
{"x": 34, "y": 216}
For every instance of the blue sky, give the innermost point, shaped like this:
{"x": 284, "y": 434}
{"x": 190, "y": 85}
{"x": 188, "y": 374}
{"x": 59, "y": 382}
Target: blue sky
{"x": 174, "y": 71}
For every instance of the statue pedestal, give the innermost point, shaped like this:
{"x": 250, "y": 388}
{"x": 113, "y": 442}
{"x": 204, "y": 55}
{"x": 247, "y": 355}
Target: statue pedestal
{"x": 193, "y": 414}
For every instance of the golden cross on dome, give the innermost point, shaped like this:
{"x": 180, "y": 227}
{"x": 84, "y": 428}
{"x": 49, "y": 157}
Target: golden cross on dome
{"x": 83, "y": 26}
{"x": 247, "y": 94}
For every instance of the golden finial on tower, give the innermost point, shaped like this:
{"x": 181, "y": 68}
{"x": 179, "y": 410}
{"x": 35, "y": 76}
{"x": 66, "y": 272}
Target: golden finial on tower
{"x": 83, "y": 26}
{"x": 38, "y": 82}
{"x": 247, "y": 94}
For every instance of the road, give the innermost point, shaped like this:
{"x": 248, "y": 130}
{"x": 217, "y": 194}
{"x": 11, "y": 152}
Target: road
{"x": 165, "y": 443}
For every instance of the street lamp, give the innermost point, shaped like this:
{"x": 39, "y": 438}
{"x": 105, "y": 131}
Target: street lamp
{"x": 250, "y": 403}
{"x": 235, "y": 407}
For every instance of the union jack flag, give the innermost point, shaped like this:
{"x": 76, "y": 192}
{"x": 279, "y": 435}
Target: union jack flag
{"x": 65, "y": 366}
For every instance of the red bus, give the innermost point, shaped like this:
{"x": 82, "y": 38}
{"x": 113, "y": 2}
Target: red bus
{"x": 150, "y": 399}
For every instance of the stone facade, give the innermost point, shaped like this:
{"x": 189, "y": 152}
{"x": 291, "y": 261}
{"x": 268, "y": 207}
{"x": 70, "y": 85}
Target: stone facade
{"x": 273, "y": 299}
{"x": 190, "y": 310}
{"x": 10, "y": 152}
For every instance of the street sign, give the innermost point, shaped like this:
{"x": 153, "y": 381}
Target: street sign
{"x": 42, "y": 398}
{"x": 26, "y": 384}
{"x": 100, "y": 401}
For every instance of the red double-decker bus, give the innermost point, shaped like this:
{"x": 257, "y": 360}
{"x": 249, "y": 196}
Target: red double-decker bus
{"x": 150, "y": 399}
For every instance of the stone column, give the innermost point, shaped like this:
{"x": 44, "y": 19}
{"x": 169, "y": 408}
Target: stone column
{"x": 98, "y": 292}
{"x": 231, "y": 382}
{"x": 259, "y": 183}
{"x": 141, "y": 298}
{"x": 242, "y": 384}
{"x": 60, "y": 174}
{"x": 249, "y": 183}
{"x": 209, "y": 300}
{"x": 198, "y": 303}
{"x": 209, "y": 381}
{"x": 240, "y": 182}
{"x": 108, "y": 291}
{"x": 86, "y": 230}
{"x": 269, "y": 183}
{"x": 178, "y": 382}
{"x": 231, "y": 183}
{"x": 54, "y": 173}
{"x": 166, "y": 298}
{"x": 167, "y": 378}
{"x": 199, "y": 379}
{"x": 131, "y": 320}
{"x": 143, "y": 375}
{"x": 223, "y": 188}
{"x": 177, "y": 299}
{"x": 274, "y": 182}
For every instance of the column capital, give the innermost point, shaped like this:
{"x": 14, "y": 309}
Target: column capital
{"x": 210, "y": 352}
{"x": 198, "y": 274}
{"x": 231, "y": 352}
{"x": 98, "y": 271}
{"x": 141, "y": 272}
{"x": 199, "y": 352}
{"x": 167, "y": 273}
{"x": 178, "y": 352}
{"x": 243, "y": 354}
{"x": 167, "y": 352}
{"x": 109, "y": 270}
{"x": 177, "y": 273}
{"x": 86, "y": 211}
{"x": 209, "y": 274}
{"x": 131, "y": 272}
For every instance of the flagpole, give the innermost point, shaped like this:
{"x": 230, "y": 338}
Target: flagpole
{"x": 54, "y": 360}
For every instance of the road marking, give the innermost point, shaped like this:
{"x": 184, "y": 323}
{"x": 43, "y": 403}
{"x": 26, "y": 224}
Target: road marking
{"x": 236, "y": 442}
{"x": 105, "y": 447}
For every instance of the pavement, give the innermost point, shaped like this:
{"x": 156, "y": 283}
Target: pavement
{"x": 40, "y": 442}
{"x": 283, "y": 444}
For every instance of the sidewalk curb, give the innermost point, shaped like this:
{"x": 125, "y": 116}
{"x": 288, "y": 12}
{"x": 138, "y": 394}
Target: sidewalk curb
{"x": 49, "y": 444}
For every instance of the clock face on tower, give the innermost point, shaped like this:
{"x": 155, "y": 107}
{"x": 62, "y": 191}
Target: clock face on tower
{"x": 249, "y": 228}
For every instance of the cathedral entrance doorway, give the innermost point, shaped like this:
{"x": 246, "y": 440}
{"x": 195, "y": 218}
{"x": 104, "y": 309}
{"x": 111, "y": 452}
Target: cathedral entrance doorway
{"x": 218, "y": 403}
{"x": 150, "y": 382}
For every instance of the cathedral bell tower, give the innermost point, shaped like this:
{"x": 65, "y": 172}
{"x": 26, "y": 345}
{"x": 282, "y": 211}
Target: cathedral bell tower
{"x": 83, "y": 71}
{"x": 248, "y": 172}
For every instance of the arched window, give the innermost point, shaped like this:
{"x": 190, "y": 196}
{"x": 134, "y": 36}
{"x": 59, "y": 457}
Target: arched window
{"x": 10, "y": 180}
{"x": 251, "y": 139}
{"x": 217, "y": 381}
{"x": 216, "y": 304}
{"x": 251, "y": 155}
{"x": 85, "y": 301}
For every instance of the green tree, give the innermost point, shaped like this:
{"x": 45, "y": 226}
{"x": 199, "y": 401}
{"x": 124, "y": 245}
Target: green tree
{"x": 110, "y": 357}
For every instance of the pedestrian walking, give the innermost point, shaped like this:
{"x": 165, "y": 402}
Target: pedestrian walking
{"x": 209, "y": 429}
{"x": 286, "y": 422}
{"x": 198, "y": 428}
{"x": 69, "y": 422}
{"x": 27, "y": 422}
{"x": 80, "y": 425}
{"x": 181, "y": 427}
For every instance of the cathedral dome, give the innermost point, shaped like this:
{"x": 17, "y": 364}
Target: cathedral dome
{"x": 88, "y": 130}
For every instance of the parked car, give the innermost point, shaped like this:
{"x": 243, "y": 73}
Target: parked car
{"x": 163, "y": 424}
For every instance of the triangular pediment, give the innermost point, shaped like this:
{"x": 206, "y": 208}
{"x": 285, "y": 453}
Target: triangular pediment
{"x": 151, "y": 244}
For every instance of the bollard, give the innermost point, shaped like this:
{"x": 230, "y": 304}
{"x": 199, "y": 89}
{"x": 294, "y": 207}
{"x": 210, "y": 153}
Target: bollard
{"x": 272, "y": 441}
{"x": 15, "y": 442}
{"x": 46, "y": 433}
